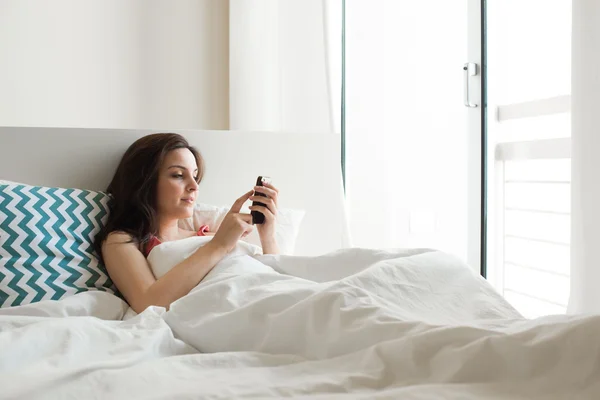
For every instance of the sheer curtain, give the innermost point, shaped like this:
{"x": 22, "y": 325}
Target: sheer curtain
{"x": 283, "y": 63}
{"x": 285, "y": 69}
{"x": 585, "y": 150}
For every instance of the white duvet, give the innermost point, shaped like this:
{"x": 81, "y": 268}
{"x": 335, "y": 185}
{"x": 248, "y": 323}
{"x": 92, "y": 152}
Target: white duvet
{"x": 353, "y": 324}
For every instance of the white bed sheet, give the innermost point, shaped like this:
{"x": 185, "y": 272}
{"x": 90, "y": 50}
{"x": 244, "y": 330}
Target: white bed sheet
{"x": 446, "y": 334}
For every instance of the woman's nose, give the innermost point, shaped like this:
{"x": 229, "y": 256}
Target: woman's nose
{"x": 193, "y": 186}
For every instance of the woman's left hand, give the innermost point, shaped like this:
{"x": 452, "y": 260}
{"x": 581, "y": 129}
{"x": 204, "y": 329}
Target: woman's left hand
{"x": 266, "y": 230}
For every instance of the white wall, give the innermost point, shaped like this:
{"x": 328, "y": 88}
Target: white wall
{"x": 114, "y": 64}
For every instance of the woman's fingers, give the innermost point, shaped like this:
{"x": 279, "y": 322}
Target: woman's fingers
{"x": 270, "y": 186}
{"x": 269, "y": 216}
{"x": 247, "y": 218}
{"x": 247, "y": 226}
{"x": 268, "y": 202}
{"x": 248, "y": 230}
{"x": 237, "y": 206}
{"x": 270, "y": 191}
{"x": 233, "y": 226}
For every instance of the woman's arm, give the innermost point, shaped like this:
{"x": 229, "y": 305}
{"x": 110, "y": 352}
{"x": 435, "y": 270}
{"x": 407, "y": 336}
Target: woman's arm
{"x": 131, "y": 273}
{"x": 270, "y": 247}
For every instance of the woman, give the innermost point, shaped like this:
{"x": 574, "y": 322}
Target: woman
{"x": 155, "y": 186}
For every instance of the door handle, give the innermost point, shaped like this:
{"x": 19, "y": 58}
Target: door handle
{"x": 470, "y": 70}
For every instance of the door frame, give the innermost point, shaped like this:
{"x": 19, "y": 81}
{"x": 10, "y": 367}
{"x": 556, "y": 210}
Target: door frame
{"x": 484, "y": 136}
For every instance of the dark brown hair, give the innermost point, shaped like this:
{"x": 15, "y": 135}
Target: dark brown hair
{"x": 133, "y": 189}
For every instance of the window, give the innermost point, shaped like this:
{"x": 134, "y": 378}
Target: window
{"x": 529, "y": 57}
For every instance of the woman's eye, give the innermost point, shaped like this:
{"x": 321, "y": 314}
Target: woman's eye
{"x": 178, "y": 176}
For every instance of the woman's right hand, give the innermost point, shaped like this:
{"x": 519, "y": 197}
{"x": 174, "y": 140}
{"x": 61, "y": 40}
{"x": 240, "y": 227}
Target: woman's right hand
{"x": 235, "y": 225}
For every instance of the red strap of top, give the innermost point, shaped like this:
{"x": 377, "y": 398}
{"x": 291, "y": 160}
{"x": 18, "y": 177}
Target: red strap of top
{"x": 155, "y": 242}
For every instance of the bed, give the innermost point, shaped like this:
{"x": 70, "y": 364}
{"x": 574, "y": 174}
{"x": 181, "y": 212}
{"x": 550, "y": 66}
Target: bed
{"x": 327, "y": 321}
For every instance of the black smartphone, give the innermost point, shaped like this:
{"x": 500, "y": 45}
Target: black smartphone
{"x": 257, "y": 216}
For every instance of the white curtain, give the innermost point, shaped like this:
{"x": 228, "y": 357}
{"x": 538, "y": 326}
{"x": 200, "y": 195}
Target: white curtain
{"x": 285, "y": 68}
{"x": 281, "y": 65}
{"x": 585, "y": 153}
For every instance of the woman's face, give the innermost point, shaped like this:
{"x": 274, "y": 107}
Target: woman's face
{"x": 177, "y": 185}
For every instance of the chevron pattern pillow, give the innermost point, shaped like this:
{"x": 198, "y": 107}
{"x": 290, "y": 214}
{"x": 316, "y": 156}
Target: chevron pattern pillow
{"x": 46, "y": 243}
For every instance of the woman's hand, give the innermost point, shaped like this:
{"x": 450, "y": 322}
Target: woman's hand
{"x": 266, "y": 230}
{"x": 235, "y": 225}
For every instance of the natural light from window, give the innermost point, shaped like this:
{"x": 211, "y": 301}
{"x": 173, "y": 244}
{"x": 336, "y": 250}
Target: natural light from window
{"x": 529, "y": 85}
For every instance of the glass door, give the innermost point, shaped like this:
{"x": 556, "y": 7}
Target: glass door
{"x": 413, "y": 125}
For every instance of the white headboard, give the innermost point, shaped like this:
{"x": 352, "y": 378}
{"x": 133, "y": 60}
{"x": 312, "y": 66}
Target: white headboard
{"x": 306, "y": 168}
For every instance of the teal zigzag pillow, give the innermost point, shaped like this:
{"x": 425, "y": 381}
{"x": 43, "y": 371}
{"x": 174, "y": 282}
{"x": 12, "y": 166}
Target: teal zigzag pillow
{"x": 46, "y": 243}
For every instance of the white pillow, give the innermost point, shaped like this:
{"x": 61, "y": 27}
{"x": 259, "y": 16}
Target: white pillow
{"x": 288, "y": 224}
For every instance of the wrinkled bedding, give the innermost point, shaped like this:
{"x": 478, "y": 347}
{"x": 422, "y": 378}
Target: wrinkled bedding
{"x": 411, "y": 324}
